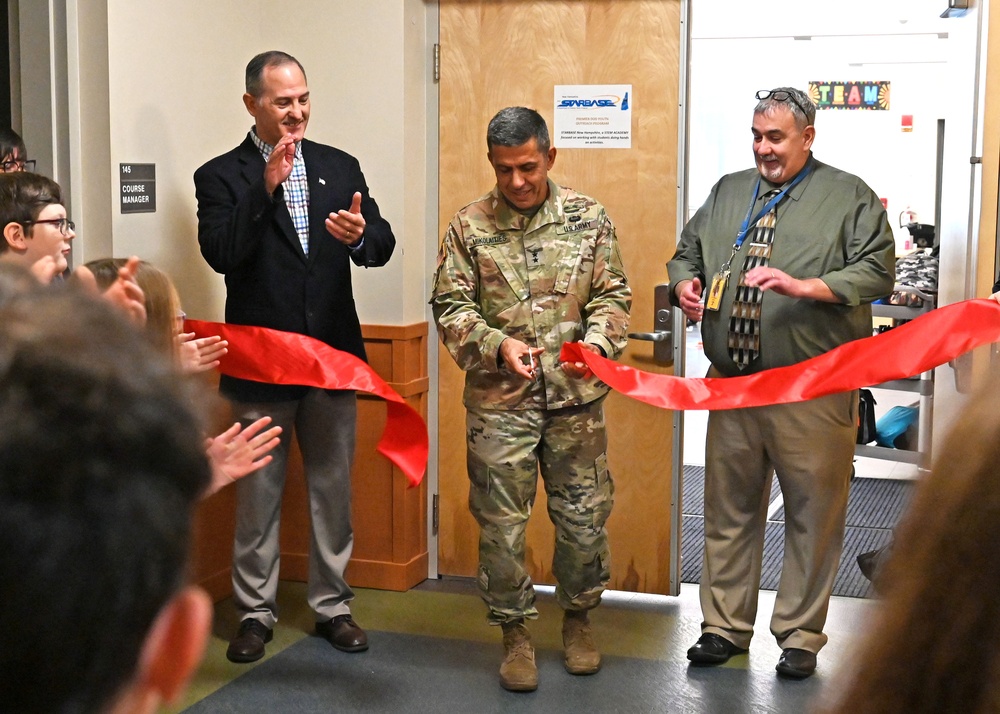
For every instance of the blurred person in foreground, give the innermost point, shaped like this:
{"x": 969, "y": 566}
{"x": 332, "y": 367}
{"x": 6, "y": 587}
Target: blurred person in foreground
{"x": 101, "y": 463}
{"x": 932, "y": 644}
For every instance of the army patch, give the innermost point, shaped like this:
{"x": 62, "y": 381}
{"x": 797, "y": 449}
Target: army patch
{"x": 576, "y": 227}
{"x": 489, "y": 240}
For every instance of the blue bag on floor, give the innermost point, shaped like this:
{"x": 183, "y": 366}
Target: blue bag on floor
{"x": 894, "y": 424}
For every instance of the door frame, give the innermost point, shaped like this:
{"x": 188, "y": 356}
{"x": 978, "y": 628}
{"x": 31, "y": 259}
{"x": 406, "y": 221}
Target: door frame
{"x": 680, "y": 323}
{"x": 678, "y": 346}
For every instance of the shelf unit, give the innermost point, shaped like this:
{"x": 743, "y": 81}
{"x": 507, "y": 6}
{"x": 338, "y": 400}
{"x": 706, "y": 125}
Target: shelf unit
{"x": 921, "y": 385}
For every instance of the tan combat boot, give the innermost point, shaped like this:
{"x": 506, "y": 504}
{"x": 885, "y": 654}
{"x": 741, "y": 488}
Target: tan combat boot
{"x": 582, "y": 656}
{"x": 518, "y": 672}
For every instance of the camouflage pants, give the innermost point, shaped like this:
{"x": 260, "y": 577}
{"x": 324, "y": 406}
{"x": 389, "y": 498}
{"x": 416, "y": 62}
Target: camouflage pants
{"x": 506, "y": 450}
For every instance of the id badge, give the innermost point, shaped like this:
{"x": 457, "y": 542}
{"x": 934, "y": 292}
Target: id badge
{"x": 719, "y": 281}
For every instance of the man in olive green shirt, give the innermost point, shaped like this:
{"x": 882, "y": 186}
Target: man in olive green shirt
{"x": 831, "y": 255}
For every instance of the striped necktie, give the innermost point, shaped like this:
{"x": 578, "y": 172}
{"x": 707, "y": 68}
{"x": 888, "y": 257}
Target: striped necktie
{"x": 744, "y": 321}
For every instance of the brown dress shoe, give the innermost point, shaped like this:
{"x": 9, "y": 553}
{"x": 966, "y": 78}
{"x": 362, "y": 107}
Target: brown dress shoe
{"x": 518, "y": 672}
{"x": 581, "y": 655}
{"x": 248, "y": 644}
{"x": 343, "y": 633}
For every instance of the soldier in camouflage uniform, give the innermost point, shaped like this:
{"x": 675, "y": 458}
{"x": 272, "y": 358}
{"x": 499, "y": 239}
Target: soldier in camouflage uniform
{"x": 521, "y": 271}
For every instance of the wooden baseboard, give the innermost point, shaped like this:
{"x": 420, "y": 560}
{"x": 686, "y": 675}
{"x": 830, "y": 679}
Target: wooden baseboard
{"x": 218, "y": 585}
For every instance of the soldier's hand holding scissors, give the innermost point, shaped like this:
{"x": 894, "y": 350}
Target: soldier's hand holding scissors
{"x": 520, "y": 358}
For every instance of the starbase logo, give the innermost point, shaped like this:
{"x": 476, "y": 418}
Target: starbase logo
{"x": 601, "y": 101}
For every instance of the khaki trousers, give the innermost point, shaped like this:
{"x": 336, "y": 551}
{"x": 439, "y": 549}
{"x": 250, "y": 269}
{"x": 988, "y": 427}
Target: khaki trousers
{"x": 810, "y": 447}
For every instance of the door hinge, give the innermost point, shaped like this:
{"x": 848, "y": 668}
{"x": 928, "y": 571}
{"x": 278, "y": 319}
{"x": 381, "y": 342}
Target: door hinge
{"x": 435, "y": 514}
{"x": 437, "y": 63}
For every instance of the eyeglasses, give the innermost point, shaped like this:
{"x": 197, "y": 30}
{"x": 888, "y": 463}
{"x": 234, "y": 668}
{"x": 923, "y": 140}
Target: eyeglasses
{"x": 64, "y": 225}
{"x": 781, "y": 96}
{"x": 12, "y": 165}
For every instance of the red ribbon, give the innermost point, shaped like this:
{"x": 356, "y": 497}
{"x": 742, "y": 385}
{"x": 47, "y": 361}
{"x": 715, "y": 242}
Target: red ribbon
{"x": 261, "y": 354}
{"x": 904, "y": 351}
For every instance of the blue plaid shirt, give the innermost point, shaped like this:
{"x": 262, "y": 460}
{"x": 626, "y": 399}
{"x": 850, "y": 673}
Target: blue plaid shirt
{"x": 296, "y": 189}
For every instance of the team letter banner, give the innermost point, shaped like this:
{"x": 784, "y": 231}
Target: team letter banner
{"x": 264, "y": 355}
{"x": 904, "y": 351}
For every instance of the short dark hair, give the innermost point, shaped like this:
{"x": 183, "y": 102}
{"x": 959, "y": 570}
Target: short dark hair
{"x": 798, "y": 103}
{"x": 101, "y": 461}
{"x": 256, "y": 67}
{"x": 23, "y": 195}
{"x": 11, "y": 142}
{"x": 515, "y": 126}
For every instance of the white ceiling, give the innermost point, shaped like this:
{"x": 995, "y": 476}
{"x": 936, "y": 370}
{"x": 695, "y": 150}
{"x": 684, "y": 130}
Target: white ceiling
{"x": 791, "y": 18}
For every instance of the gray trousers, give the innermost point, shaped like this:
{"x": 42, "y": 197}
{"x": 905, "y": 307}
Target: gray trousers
{"x": 324, "y": 424}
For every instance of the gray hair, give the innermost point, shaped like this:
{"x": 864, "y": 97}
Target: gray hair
{"x": 256, "y": 67}
{"x": 798, "y": 102}
{"x": 515, "y": 126}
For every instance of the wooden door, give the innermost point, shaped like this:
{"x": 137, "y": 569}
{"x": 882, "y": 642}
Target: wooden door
{"x": 513, "y": 52}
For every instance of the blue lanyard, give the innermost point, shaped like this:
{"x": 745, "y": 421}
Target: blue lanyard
{"x": 748, "y": 223}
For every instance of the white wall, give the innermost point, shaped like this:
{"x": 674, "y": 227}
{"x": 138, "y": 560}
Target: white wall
{"x": 175, "y": 87}
{"x": 737, "y": 51}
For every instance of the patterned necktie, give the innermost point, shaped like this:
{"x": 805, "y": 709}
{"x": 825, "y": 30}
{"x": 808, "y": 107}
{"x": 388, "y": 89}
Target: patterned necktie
{"x": 744, "y": 321}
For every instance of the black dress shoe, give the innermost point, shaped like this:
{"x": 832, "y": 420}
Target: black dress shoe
{"x": 248, "y": 644}
{"x": 796, "y": 663}
{"x": 343, "y": 633}
{"x": 713, "y": 649}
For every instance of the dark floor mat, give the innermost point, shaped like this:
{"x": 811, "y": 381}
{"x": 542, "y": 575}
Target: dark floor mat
{"x": 878, "y": 502}
{"x": 693, "y": 491}
{"x": 874, "y": 502}
{"x": 849, "y": 581}
{"x": 692, "y": 547}
{"x": 693, "y": 502}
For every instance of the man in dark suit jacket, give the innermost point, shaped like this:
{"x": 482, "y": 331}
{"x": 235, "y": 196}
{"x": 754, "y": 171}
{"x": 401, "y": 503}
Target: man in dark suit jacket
{"x": 282, "y": 218}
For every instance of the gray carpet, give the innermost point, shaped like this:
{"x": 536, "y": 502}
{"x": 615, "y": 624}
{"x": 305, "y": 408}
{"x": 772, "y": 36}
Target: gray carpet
{"x": 873, "y": 502}
{"x": 873, "y": 509}
{"x": 412, "y": 673}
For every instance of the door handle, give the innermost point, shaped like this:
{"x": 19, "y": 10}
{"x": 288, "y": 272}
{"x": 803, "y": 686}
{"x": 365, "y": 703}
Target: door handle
{"x": 662, "y": 335}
